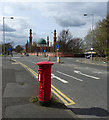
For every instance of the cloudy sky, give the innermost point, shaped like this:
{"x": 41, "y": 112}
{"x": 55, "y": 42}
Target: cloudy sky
{"x": 44, "y": 17}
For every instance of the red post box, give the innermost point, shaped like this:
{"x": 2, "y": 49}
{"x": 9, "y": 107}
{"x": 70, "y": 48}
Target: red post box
{"x": 44, "y": 77}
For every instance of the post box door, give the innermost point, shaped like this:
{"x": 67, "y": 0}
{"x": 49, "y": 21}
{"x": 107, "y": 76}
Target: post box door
{"x": 41, "y": 87}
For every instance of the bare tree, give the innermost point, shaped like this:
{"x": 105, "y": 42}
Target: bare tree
{"x": 68, "y": 44}
{"x": 76, "y": 45}
{"x": 63, "y": 40}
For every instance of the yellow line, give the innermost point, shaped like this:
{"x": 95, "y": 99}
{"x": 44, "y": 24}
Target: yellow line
{"x": 70, "y": 102}
{"x": 62, "y": 99}
{"x": 33, "y": 72}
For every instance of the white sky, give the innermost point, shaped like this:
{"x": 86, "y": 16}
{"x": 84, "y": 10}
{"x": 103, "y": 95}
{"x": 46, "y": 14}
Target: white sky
{"x": 46, "y": 16}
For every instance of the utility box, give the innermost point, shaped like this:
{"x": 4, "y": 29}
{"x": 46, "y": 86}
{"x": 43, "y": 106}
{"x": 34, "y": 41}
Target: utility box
{"x": 44, "y": 77}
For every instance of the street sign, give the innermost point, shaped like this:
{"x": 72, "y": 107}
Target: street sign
{"x": 9, "y": 49}
{"x": 57, "y": 46}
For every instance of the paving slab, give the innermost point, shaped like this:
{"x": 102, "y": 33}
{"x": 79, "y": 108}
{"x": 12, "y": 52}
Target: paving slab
{"x": 35, "y": 111}
{"x": 20, "y": 90}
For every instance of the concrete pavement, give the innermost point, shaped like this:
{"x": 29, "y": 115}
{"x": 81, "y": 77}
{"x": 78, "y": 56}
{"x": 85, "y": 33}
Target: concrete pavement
{"x": 17, "y": 88}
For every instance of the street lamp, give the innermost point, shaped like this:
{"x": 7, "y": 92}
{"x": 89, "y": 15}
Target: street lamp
{"x": 4, "y": 31}
{"x": 92, "y": 31}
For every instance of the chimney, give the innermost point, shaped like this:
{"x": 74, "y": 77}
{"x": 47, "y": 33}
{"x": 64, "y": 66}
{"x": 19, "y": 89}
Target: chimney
{"x": 30, "y": 38}
{"x": 54, "y": 37}
{"x": 47, "y": 41}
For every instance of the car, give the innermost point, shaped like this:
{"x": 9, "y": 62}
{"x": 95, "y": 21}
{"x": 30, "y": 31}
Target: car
{"x": 88, "y": 57}
{"x": 27, "y": 54}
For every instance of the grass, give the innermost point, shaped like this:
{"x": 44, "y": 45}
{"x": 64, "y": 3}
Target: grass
{"x": 53, "y": 101}
{"x": 34, "y": 99}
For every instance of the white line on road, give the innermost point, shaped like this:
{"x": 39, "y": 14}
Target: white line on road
{"x": 70, "y": 76}
{"x": 78, "y": 72}
{"x": 62, "y": 80}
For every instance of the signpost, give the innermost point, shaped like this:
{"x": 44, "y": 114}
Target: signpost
{"x": 57, "y": 47}
{"x": 10, "y": 50}
{"x": 44, "y": 53}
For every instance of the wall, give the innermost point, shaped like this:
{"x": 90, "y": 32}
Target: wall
{"x": 52, "y": 54}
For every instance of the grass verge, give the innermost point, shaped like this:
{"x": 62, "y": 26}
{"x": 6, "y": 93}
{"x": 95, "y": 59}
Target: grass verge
{"x": 54, "y": 102}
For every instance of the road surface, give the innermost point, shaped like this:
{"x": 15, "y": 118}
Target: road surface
{"x": 82, "y": 87}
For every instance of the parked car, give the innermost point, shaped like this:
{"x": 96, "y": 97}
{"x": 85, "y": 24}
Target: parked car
{"x": 27, "y": 54}
{"x": 88, "y": 57}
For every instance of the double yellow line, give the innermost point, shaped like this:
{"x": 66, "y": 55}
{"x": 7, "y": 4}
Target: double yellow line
{"x": 67, "y": 101}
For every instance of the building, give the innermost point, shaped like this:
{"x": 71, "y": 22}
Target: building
{"x": 42, "y": 44}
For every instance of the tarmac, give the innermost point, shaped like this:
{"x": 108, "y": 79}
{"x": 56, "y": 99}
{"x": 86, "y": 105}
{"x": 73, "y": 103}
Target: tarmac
{"x": 18, "y": 86}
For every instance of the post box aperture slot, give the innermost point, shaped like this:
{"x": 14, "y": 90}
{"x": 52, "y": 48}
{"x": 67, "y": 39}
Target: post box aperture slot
{"x": 40, "y": 78}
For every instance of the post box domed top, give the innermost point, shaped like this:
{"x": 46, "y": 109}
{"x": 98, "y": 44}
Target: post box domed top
{"x": 44, "y": 63}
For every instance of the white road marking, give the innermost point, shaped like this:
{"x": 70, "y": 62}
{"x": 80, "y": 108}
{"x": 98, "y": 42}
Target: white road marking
{"x": 62, "y": 80}
{"x": 78, "y": 72}
{"x": 70, "y": 76}
{"x": 15, "y": 63}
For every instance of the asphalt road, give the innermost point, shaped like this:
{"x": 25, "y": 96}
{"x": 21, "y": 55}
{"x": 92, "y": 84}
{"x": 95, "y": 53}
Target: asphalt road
{"x": 85, "y": 84}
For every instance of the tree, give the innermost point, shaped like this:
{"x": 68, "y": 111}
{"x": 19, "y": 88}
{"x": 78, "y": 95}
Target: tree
{"x": 68, "y": 44}
{"x": 76, "y": 45}
{"x": 6, "y": 46}
{"x": 88, "y": 40}
{"x": 19, "y": 48}
{"x": 0, "y": 48}
{"x": 63, "y": 41}
{"x": 100, "y": 37}
{"x": 32, "y": 47}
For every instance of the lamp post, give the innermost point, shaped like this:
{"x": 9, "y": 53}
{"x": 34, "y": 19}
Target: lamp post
{"x": 92, "y": 32}
{"x": 4, "y": 32}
